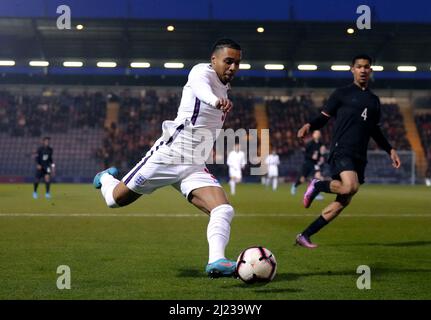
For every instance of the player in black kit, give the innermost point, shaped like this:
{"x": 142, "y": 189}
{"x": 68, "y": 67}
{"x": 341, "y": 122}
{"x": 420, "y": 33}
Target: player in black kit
{"x": 45, "y": 167}
{"x": 311, "y": 165}
{"x": 357, "y": 115}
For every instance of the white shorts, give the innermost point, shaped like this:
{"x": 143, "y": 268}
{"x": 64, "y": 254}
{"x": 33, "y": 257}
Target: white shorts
{"x": 235, "y": 173}
{"x": 151, "y": 173}
{"x": 272, "y": 172}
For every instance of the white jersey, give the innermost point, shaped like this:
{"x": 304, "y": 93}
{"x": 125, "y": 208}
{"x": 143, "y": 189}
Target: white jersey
{"x": 197, "y": 117}
{"x": 272, "y": 161}
{"x": 173, "y": 160}
{"x": 236, "y": 160}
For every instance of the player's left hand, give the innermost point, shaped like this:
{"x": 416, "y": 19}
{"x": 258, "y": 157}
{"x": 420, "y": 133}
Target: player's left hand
{"x": 396, "y": 162}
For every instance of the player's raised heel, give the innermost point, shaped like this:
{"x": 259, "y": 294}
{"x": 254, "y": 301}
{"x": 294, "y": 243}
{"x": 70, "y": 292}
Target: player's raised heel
{"x": 221, "y": 268}
{"x": 112, "y": 171}
{"x": 311, "y": 193}
{"x": 305, "y": 242}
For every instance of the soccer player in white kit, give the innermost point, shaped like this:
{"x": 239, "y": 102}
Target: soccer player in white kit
{"x": 272, "y": 161}
{"x": 204, "y": 105}
{"x": 236, "y": 163}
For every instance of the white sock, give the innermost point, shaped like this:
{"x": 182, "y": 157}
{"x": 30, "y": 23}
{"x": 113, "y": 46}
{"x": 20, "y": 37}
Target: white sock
{"x": 232, "y": 186}
{"x": 218, "y": 231}
{"x": 108, "y": 185}
{"x": 274, "y": 183}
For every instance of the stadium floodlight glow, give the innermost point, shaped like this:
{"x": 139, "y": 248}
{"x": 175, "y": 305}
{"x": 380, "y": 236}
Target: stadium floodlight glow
{"x": 377, "y": 68}
{"x": 106, "y": 64}
{"x": 35, "y": 63}
{"x": 260, "y": 29}
{"x": 140, "y": 65}
{"x": 244, "y": 66}
{"x": 340, "y": 67}
{"x": 72, "y": 64}
{"x": 307, "y": 67}
{"x": 274, "y": 66}
{"x": 350, "y": 31}
{"x": 7, "y": 63}
{"x": 174, "y": 65}
{"x": 170, "y": 28}
{"x": 79, "y": 27}
{"x": 406, "y": 68}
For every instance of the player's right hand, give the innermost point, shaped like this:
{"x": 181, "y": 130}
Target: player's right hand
{"x": 302, "y": 133}
{"x": 224, "y": 105}
{"x": 39, "y": 167}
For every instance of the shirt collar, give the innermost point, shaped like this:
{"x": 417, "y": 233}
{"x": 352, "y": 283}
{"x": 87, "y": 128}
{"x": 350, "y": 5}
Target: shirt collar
{"x": 359, "y": 88}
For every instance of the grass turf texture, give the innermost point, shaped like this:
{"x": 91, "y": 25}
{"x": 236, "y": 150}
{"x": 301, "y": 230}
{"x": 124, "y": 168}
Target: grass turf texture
{"x": 161, "y": 252}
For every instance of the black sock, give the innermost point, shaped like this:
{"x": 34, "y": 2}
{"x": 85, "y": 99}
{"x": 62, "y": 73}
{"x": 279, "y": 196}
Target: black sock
{"x": 35, "y": 186}
{"x": 315, "y": 226}
{"x": 323, "y": 186}
{"x": 297, "y": 183}
{"x": 47, "y": 185}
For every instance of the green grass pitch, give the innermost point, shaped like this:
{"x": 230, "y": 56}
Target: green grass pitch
{"x": 157, "y": 249}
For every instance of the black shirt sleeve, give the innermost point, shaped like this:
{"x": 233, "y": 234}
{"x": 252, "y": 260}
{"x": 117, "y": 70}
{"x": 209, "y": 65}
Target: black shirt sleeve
{"x": 333, "y": 103}
{"x": 320, "y": 121}
{"x": 380, "y": 139}
{"x": 377, "y": 134}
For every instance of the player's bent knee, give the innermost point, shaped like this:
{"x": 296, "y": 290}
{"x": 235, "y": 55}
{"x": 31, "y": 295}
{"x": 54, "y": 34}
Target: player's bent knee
{"x": 110, "y": 201}
{"x": 353, "y": 189}
{"x": 120, "y": 196}
{"x": 125, "y": 198}
{"x": 349, "y": 190}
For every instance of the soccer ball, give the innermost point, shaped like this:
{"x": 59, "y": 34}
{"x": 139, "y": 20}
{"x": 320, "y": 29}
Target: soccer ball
{"x": 256, "y": 264}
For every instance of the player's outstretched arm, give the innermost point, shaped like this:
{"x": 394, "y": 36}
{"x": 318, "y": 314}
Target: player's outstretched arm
{"x": 320, "y": 121}
{"x": 200, "y": 83}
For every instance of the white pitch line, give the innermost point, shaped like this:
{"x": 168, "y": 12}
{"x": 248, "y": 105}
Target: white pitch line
{"x": 195, "y": 215}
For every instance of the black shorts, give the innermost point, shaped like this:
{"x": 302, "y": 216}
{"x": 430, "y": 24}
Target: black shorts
{"x": 43, "y": 172}
{"x": 309, "y": 168}
{"x": 340, "y": 162}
